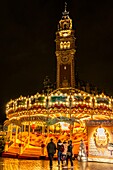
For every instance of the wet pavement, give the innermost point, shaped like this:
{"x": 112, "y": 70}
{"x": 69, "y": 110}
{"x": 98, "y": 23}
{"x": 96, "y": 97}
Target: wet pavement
{"x": 18, "y": 164}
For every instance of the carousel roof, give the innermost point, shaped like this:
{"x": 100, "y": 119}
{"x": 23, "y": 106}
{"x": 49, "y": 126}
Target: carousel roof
{"x": 68, "y": 91}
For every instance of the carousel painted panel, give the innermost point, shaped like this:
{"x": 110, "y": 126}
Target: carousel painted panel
{"x": 100, "y": 140}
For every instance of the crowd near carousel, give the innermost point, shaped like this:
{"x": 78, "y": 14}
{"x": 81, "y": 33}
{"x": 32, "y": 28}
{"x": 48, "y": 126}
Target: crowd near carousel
{"x": 58, "y": 114}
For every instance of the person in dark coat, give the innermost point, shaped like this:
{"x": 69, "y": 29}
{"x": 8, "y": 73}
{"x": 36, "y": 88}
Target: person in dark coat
{"x": 69, "y": 153}
{"x": 51, "y": 149}
{"x": 59, "y": 148}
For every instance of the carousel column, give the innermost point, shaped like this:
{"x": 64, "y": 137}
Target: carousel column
{"x": 21, "y": 135}
{"x": 10, "y": 132}
{"x": 47, "y": 130}
{"x": 8, "y": 128}
{"x": 16, "y": 134}
{"x": 28, "y": 120}
{"x": 29, "y": 133}
{"x": 24, "y": 128}
{"x": 111, "y": 106}
{"x": 9, "y": 137}
{"x": 7, "y": 142}
{"x": 21, "y": 128}
{"x": 43, "y": 129}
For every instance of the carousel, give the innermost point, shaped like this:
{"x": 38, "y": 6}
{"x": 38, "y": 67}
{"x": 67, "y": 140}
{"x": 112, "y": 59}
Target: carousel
{"x": 60, "y": 114}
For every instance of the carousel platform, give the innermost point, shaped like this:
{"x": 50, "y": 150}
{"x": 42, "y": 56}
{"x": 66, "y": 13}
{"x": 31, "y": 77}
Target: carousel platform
{"x": 32, "y": 153}
{"x": 27, "y": 156}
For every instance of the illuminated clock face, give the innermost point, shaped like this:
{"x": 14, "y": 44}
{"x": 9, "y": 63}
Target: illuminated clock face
{"x": 65, "y": 33}
{"x": 65, "y": 58}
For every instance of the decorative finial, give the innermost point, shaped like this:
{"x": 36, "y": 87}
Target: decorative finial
{"x": 65, "y": 7}
{"x": 65, "y": 13}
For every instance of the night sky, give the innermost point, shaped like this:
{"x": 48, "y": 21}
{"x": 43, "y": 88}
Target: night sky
{"x": 27, "y": 46}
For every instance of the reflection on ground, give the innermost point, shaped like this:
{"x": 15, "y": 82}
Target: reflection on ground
{"x": 15, "y": 164}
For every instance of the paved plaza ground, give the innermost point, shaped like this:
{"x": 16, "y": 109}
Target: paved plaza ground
{"x": 17, "y": 164}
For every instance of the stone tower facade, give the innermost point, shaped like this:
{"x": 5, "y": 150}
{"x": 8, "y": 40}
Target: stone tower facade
{"x": 65, "y": 52}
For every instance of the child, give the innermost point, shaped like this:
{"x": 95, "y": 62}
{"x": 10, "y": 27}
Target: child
{"x": 59, "y": 148}
{"x": 64, "y": 153}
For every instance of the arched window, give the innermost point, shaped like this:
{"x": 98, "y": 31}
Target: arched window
{"x": 61, "y": 45}
{"x": 68, "y": 44}
{"x": 65, "y": 26}
{"x": 65, "y": 44}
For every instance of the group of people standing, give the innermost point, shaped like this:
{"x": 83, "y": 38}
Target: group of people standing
{"x": 64, "y": 152}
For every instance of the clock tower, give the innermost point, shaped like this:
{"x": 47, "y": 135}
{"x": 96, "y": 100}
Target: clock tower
{"x": 65, "y": 51}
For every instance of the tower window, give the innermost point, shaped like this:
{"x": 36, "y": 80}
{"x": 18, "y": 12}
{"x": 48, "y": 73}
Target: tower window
{"x": 65, "y": 26}
{"x": 65, "y": 45}
{"x": 68, "y": 44}
{"x": 61, "y": 45}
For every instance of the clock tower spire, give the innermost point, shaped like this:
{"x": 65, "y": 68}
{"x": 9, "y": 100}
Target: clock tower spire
{"x": 65, "y": 51}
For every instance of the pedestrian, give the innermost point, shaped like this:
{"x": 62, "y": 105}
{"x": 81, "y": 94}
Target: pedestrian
{"x": 60, "y": 150}
{"x": 64, "y": 153}
{"x": 51, "y": 149}
{"x": 42, "y": 146}
{"x": 69, "y": 153}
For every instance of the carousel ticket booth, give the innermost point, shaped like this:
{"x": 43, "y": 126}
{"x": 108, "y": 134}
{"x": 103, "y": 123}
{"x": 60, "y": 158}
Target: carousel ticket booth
{"x": 100, "y": 140}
